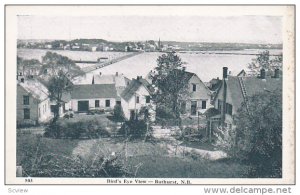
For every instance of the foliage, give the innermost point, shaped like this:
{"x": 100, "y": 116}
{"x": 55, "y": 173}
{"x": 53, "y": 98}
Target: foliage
{"x": 225, "y": 140}
{"x": 259, "y": 134}
{"x": 170, "y": 80}
{"x": 134, "y": 129}
{"x": 264, "y": 60}
{"x": 55, "y": 63}
{"x": 118, "y": 113}
{"x": 76, "y": 130}
{"x": 57, "y": 85}
{"x": 41, "y": 157}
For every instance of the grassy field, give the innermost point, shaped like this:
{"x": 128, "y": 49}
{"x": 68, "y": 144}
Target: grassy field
{"x": 143, "y": 159}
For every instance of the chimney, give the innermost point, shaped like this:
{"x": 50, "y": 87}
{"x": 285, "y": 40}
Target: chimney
{"x": 117, "y": 73}
{"x": 225, "y": 70}
{"x": 100, "y": 73}
{"x": 262, "y": 74}
{"x": 276, "y": 74}
{"x": 22, "y": 80}
{"x": 137, "y": 78}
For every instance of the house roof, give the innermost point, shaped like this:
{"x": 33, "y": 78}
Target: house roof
{"x": 119, "y": 81}
{"x": 134, "y": 85}
{"x": 35, "y": 88}
{"x": 94, "y": 91}
{"x": 253, "y": 85}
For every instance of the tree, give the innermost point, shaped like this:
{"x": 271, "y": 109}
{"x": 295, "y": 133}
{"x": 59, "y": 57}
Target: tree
{"x": 57, "y": 85}
{"x": 118, "y": 113}
{"x": 171, "y": 82}
{"x": 259, "y": 134}
{"x": 54, "y": 63}
{"x": 266, "y": 61}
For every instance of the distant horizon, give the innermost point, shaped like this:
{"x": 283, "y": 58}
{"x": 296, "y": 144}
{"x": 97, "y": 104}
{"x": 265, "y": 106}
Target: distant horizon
{"x": 151, "y": 40}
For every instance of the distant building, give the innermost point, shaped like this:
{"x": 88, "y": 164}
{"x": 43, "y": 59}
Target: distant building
{"x": 136, "y": 96}
{"x": 94, "y": 97}
{"x": 33, "y": 103}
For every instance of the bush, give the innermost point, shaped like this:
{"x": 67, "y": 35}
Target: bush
{"x": 76, "y": 130}
{"x": 134, "y": 129}
{"x": 118, "y": 113}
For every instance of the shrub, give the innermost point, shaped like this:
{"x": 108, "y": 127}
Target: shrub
{"x": 134, "y": 128}
{"x": 76, "y": 130}
{"x": 118, "y": 113}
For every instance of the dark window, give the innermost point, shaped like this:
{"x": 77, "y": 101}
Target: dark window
{"x": 193, "y": 107}
{"x": 220, "y": 105}
{"x": 228, "y": 108}
{"x": 148, "y": 99}
{"x": 107, "y": 103}
{"x": 118, "y": 102}
{"x": 194, "y": 87}
{"x": 132, "y": 115}
{"x": 25, "y": 99}
{"x": 26, "y": 113}
{"x": 203, "y": 104}
{"x": 97, "y": 103}
{"x": 137, "y": 99}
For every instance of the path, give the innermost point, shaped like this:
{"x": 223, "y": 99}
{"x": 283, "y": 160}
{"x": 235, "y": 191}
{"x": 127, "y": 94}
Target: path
{"x": 174, "y": 148}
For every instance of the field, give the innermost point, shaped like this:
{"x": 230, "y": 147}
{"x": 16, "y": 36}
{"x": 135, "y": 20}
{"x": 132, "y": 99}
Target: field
{"x": 142, "y": 159}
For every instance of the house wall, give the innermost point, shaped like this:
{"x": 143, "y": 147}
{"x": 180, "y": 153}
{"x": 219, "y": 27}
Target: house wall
{"x": 44, "y": 111}
{"x": 34, "y": 106}
{"x": 229, "y": 99}
{"x": 202, "y": 93}
{"x": 131, "y": 104}
{"x": 74, "y": 103}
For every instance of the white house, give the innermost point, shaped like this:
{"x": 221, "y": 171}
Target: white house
{"x": 94, "y": 96}
{"x": 136, "y": 96}
{"x": 33, "y": 102}
{"x": 199, "y": 95}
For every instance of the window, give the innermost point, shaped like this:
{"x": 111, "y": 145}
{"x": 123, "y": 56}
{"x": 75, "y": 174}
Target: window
{"x": 228, "y": 109}
{"x": 107, "y": 103}
{"x": 26, "y": 113}
{"x": 25, "y": 99}
{"x": 147, "y": 99}
{"x": 137, "y": 99}
{"x": 118, "y": 102}
{"x": 220, "y": 105}
{"x": 203, "y": 104}
{"x": 194, "y": 87}
{"x": 97, "y": 103}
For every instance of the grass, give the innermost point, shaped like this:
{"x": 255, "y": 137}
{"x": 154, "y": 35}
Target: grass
{"x": 175, "y": 167}
{"x": 146, "y": 159}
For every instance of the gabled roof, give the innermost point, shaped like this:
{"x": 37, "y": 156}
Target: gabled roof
{"x": 94, "y": 91}
{"x": 35, "y": 88}
{"x": 134, "y": 85}
{"x": 253, "y": 85}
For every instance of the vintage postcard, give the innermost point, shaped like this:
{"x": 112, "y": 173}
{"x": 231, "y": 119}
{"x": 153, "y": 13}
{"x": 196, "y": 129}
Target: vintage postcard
{"x": 150, "y": 94}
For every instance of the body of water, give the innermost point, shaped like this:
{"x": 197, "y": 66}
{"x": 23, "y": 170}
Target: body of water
{"x": 206, "y": 64}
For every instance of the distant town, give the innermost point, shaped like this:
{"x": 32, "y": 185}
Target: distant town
{"x": 136, "y": 46}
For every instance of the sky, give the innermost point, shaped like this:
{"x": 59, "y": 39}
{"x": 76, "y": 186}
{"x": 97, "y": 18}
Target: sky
{"x": 232, "y": 29}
